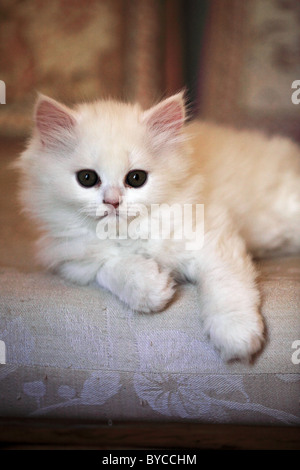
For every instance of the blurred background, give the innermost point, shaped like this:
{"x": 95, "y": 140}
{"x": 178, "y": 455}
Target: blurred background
{"x": 236, "y": 59}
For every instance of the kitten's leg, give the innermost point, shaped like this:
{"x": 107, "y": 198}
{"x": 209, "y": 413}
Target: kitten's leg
{"x": 138, "y": 282}
{"x": 83, "y": 272}
{"x": 229, "y": 297}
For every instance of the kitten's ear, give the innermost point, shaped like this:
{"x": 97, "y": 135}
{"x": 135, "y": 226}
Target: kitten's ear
{"x": 165, "y": 120}
{"x": 54, "y": 122}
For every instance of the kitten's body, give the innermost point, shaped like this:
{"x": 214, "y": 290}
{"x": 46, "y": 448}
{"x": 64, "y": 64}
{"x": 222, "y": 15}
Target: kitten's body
{"x": 249, "y": 185}
{"x": 257, "y": 179}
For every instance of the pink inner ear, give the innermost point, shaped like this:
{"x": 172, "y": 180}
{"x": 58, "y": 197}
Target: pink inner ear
{"x": 165, "y": 120}
{"x": 169, "y": 117}
{"x": 51, "y": 118}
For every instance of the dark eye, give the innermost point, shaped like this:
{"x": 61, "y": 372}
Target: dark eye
{"x": 136, "y": 178}
{"x": 87, "y": 178}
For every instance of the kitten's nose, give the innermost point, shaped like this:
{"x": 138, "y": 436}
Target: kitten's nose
{"x": 112, "y": 196}
{"x": 115, "y": 204}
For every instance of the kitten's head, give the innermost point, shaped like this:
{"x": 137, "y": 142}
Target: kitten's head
{"x": 103, "y": 155}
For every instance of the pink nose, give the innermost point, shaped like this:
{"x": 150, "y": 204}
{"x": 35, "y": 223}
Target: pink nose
{"x": 112, "y": 196}
{"x": 115, "y": 204}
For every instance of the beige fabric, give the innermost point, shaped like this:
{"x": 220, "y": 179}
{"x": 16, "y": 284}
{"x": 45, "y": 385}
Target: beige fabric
{"x": 77, "y": 352}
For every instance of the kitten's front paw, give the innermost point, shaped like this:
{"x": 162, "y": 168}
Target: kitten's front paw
{"x": 236, "y": 335}
{"x": 140, "y": 283}
{"x": 154, "y": 289}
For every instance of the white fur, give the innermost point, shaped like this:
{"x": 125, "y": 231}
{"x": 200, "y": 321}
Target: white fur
{"x": 249, "y": 184}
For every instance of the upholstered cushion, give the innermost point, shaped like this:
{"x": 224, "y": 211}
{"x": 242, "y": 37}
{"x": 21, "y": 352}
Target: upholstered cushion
{"x": 78, "y": 352}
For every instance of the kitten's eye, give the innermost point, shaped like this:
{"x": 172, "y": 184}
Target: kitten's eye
{"x": 87, "y": 178}
{"x": 136, "y": 178}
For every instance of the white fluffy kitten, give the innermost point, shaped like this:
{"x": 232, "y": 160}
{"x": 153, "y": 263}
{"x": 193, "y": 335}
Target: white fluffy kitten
{"x": 117, "y": 156}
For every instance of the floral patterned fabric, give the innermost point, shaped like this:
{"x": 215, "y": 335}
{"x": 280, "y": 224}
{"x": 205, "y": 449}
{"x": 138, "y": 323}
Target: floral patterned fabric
{"x": 78, "y": 352}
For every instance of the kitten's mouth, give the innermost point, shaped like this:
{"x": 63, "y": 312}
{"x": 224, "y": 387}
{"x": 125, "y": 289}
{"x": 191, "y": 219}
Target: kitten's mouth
{"x": 103, "y": 211}
{"x": 120, "y": 213}
{"x": 107, "y": 213}
{"x": 101, "y": 217}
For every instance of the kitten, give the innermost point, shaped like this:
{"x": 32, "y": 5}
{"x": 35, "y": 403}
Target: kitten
{"x": 98, "y": 162}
